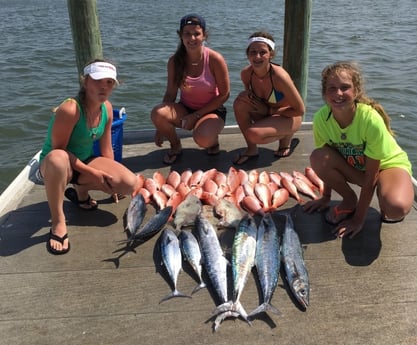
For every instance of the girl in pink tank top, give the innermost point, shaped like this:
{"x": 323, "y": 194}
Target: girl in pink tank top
{"x": 202, "y": 77}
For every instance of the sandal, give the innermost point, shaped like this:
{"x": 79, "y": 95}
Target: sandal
{"x": 244, "y": 158}
{"x": 213, "y": 150}
{"x": 171, "y": 157}
{"x": 58, "y": 239}
{"x": 286, "y": 151}
{"x": 88, "y": 205}
{"x": 336, "y": 215}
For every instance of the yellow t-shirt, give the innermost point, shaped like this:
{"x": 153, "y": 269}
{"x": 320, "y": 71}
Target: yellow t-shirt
{"x": 367, "y": 135}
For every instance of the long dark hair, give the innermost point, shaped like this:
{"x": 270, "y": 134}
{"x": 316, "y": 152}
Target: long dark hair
{"x": 180, "y": 57}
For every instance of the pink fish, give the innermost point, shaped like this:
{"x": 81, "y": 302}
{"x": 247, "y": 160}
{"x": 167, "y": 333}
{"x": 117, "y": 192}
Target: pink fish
{"x": 263, "y": 193}
{"x": 173, "y": 178}
{"x": 248, "y": 189}
{"x": 279, "y": 198}
{"x": 173, "y": 201}
{"x": 311, "y": 174}
{"x": 233, "y": 179}
{"x": 220, "y": 178}
{"x": 253, "y": 176}
{"x": 264, "y": 177}
{"x": 196, "y": 178}
{"x": 210, "y": 186}
{"x": 186, "y": 175}
{"x": 150, "y": 185}
{"x": 183, "y": 189}
{"x": 168, "y": 189}
{"x": 252, "y": 205}
{"x": 292, "y": 189}
{"x": 243, "y": 176}
{"x": 160, "y": 199}
{"x": 306, "y": 180}
{"x": 304, "y": 188}
{"x": 275, "y": 177}
{"x": 159, "y": 179}
{"x": 146, "y": 195}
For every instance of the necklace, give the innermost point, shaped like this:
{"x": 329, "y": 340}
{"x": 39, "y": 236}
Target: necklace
{"x": 198, "y": 62}
{"x": 90, "y": 123}
{"x": 343, "y": 136}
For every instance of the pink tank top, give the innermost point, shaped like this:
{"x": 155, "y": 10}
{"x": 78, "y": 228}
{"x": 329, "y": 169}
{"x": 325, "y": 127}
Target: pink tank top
{"x": 199, "y": 91}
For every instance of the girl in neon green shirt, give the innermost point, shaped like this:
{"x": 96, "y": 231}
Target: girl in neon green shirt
{"x": 355, "y": 145}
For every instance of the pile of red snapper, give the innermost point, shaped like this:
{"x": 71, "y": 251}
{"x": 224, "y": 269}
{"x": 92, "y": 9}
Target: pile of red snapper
{"x": 255, "y": 192}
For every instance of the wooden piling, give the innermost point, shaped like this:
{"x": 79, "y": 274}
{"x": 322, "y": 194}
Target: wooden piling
{"x": 85, "y": 31}
{"x": 297, "y": 42}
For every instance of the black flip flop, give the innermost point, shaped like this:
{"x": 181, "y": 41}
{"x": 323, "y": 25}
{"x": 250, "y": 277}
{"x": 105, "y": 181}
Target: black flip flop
{"x": 71, "y": 195}
{"x": 245, "y": 158}
{"x": 58, "y": 239}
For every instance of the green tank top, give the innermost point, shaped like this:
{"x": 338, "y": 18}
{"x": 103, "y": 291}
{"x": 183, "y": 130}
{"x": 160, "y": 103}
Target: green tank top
{"x": 82, "y": 138}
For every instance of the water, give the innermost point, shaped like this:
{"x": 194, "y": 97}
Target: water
{"x": 38, "y": 70}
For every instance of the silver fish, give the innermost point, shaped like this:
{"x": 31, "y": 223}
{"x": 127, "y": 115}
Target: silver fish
{"x": 154, "y": 225}
{"x": 267, "y": 262}
{"x": 192, "y": 254}
{"x": 213, "y": 259}
{"x": 295, "y": 269}
{"x": 230, "y": 214}
{"x": 187, "y": 211}
{"x": 135, "y": 214}
{"x": 243, "y": 260}
{"x": 172, "y": 260}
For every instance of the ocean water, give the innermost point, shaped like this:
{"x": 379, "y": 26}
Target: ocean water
{"x": 38, "y": 69}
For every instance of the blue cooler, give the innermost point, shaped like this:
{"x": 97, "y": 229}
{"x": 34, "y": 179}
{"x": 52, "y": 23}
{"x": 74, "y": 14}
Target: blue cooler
{"x": 119, "y": 117}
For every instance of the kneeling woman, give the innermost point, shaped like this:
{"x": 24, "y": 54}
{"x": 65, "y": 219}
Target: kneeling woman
{"x": 270, "y": 108}
{"x": 67, "y": 155}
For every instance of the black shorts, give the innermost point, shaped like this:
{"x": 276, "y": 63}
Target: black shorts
{"x": 220, "y": 111}
{"x": 76, "y": 174}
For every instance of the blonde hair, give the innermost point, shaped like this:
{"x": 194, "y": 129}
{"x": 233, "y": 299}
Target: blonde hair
{"x": 352, "y": 68}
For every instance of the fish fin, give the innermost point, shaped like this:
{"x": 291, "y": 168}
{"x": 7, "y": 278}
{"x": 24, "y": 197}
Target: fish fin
{"x": 173, "y": 294}
{"x": 263, "y": 308}
{"x": 200, "y": 286}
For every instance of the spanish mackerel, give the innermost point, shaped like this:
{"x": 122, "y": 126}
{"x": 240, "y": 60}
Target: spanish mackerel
{"x": 267, "y": 262}
{"x": 172, "y": 260}
{"x": 243, "y": 260}
{"x": 295, "y": 269}
{"x": 192, "y": 254}
{"x": 213, "y": 259}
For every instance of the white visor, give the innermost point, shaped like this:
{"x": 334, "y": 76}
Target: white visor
{"x": 101, "y": 70}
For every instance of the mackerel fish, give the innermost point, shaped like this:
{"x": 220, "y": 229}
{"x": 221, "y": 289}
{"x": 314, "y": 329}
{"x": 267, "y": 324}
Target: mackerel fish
{"x": 172, "y": 260}
{"x": 243, "y": 260}
{"x": 213, "y": 259}
{"x": 154, "y": 225}
{"x": 295, "y": 269}
{"x": 267, "y": 262}
{"x": 192, "y": 254}
{"x": 135, "y": 214}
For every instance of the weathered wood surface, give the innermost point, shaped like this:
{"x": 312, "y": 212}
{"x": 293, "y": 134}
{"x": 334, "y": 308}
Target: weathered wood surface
{"x": 363, "y": 291}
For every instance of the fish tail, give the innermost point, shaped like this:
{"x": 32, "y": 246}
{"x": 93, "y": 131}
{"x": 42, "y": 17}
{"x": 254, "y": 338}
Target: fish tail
{"x": 237, "y": 306}
{"x": 200, "y": 286}
{"x": 223, "y": 308}
{"x": 222, "y": 316}
{"x": 173, "y": 294}
{"x": 263, "y": 308}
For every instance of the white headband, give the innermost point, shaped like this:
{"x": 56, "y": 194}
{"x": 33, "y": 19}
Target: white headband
{"x": 262, "y": 39}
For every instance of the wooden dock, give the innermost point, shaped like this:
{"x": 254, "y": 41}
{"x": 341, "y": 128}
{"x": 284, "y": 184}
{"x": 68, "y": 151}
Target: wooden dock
{"x": 363, "y": 291}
